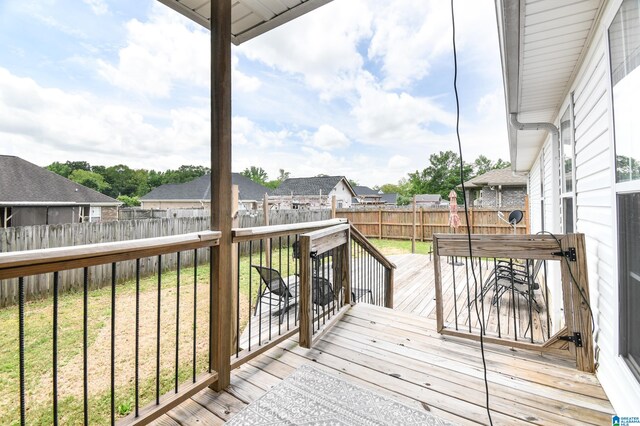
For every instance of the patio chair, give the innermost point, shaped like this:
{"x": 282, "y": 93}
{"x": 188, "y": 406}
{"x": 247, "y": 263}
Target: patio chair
{"x": 271, "y": 281}
{"x": 514, "y": 277}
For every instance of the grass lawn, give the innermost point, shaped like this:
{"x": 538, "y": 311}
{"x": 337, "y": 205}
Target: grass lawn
{"x": 391, "y": 247}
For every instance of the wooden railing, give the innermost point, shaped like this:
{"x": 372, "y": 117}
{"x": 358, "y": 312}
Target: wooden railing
{"x": 504, "y": 288}
{"x": 327, "y": 266}
{"x": 51, "y": 261}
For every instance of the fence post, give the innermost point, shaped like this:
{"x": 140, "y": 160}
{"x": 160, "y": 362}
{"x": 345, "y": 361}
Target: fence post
{"x": 413, "y": 234}
{"x": 306, "y": 307}
{"x": 333, "y": 207}
{"x": 422, "y": 223}
{"x": 380, "y": 222}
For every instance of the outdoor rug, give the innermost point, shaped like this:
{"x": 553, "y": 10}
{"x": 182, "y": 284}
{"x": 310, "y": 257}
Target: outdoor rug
{"x": 312, "y": 397}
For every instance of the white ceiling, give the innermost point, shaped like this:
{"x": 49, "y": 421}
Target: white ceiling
{"x": 551, "y": 38}
{"x": 249, "y": 18}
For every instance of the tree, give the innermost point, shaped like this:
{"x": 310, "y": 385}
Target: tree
{"x": 59, "y": 168}
{"x": 353, "y": 182}
{"x": 129, "y": 201}
{"x": 282, "y": 176}
{"x": 90, "y": 180}
{"x": 482, "y": 165}
{"x": 441, "y": 176}
{"x": 256, "y": 174}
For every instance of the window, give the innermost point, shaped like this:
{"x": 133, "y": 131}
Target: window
{"x": 567, "y": 182}
{"x": 624, "y": 51}
{"x": 624, "y": 45}
{"x": 629, "y": 278}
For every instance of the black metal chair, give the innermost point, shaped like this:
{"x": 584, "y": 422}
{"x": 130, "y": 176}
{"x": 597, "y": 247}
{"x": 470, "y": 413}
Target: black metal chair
{"x": 518, "y": 278}
{"x": 271, "y": 281}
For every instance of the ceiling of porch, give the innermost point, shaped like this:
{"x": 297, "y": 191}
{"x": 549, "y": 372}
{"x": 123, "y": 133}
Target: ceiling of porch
{"x": 543, "y": 43}
{"x": 249, "y": 18}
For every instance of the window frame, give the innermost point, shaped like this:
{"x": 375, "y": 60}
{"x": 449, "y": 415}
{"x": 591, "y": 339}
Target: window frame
{"x": 562, "y": 175}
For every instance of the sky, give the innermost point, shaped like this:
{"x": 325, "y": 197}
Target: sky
{"x": 360, "y": 88}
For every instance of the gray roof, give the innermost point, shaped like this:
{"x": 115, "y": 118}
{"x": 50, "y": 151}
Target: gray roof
{"x": 504, "y": 177}
{"x": 428, "y": 198}
{"x": 390, "y": 198}
{"x": 365, "y": 190}
{"x": 25, "y": 182}
{"x": 200, "y": 189}
{"x": 310, "y": 185}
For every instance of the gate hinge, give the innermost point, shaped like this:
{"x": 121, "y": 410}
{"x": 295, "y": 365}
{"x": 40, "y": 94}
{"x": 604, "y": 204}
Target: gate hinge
{"x": 569, "y": 254}
{"x": 576, "y": 338}
{"x": 314, "y": 254}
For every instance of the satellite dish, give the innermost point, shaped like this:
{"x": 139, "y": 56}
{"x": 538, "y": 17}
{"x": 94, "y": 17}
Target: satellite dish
{"x": 515, "y": 217}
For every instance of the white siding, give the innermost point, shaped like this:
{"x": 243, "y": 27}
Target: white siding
{"x": 595, "y": 214}
{"x": 535, "y": 214}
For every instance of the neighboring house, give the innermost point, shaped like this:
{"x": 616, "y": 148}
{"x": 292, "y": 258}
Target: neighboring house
{"x": 33, "y": 195}
{"x": 572, "y": 81}
{"x": 197, "y": 194}
{"x": 428, "y": 200}
{"x": 497, "y": 188}
{"x": 313, "y": 193}
{"x": 367, "y": 196}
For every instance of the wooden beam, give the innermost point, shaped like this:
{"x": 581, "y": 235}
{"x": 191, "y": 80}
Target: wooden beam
{"x": 220, "y": 315}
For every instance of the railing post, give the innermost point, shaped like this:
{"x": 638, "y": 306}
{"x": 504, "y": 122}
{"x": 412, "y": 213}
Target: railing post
{"x": 388, "y": 297}
{"x": 235, "y": 195}
{"x": 220, "y": 314}
{"x": 438, "y": 282}
{"x": 578, "y": 319}
{"x": 306, "y": 307}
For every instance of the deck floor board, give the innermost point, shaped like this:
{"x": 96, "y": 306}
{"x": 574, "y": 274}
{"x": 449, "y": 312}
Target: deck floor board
{"x": 441, "y": 374}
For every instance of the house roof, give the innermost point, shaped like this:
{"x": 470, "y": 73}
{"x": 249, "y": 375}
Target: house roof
{"x": 542, "y": 45}
{"x": 428, "y": 198}
{"x": 365, "y": 190}
{"x": 311, "y": 185}
{"x": 249, "y": 18}
{"x": 390, "y": 198}
{"x": 24, "y": 182}
{"x": 200, "y": 189}
{"x": 504, "y": 177}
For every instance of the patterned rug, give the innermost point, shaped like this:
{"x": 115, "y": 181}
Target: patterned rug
{"x": 312, "y": 397}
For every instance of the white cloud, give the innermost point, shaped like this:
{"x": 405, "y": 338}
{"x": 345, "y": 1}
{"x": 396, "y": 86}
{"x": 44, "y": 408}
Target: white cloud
{"x": 99, "y": 7}
{"x": 321, "y": 47}
{"x": 48, "y": 124}
{"x": 160, "y": 52}
{"x": 249, "y": 135}
{"x": 242, "y": 81}
{"x": 328, "y": 138}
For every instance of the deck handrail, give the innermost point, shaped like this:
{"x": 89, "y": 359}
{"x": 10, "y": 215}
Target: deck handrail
{"x": 32, "y": 262}
{"x": 258, "y": 232}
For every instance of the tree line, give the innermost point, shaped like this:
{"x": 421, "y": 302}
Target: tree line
{"x": 127, "y": 184}
{"x": 121, "y": 181}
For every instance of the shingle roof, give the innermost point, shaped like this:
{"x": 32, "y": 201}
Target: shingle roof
{"x": 365, "y": 190}
{"x": 504, "y": 177}
{"x": 200, "y": 189}
{"x": 390, "y": 198}
{"x": 309, "y": 185}
{"x": 25, "y": 182}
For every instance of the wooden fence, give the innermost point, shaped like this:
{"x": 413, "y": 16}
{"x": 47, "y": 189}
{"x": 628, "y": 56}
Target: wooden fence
{"x": 422, "y": 223}
{"x": 73, "y": 234}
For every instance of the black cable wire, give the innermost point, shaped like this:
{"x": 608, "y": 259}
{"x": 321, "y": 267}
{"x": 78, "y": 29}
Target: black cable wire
{"x": 466, "y": 210}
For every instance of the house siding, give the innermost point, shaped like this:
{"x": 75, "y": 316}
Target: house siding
{"x": 595, "y": 214}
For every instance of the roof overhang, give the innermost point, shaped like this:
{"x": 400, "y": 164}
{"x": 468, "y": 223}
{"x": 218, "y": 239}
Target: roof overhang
{"x": 249, "y": 18}
{"x": 542, "y": 45}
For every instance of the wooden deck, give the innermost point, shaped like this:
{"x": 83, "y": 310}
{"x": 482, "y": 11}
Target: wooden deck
{"x": 398, "y": 353}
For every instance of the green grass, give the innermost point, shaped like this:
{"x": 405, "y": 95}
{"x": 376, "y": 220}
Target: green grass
{"x": 391, "y": 247}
